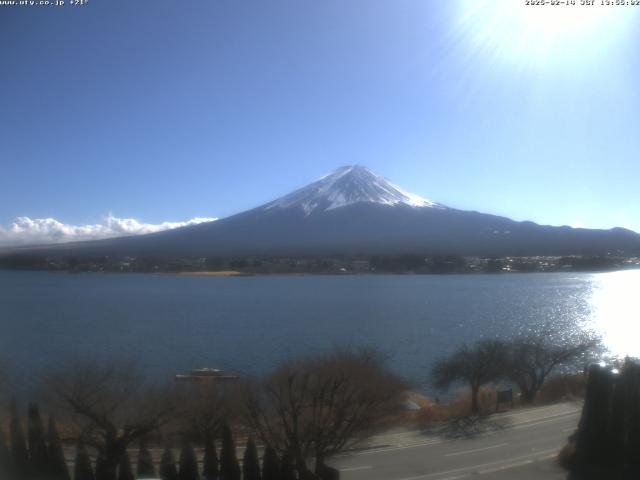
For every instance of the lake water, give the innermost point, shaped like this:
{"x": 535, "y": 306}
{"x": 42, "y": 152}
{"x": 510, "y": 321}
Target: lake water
{"x": 247, "y": 324}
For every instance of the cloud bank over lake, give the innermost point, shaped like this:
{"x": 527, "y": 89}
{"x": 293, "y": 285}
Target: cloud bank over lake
{"x": 33, "y": 231}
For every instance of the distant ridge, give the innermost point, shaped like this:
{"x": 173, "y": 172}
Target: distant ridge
{"x": 354, "y": 211}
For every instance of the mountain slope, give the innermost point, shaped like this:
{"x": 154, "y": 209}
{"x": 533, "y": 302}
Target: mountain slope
{"x": 354, "y": 211}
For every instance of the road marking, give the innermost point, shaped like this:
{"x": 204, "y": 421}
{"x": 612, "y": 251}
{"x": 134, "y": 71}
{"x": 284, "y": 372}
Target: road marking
{"x": 438, "y": 441}
{"x": 532, "y": 424}
{"x": 534, "y": 421}
{"x": 514, "y": 465}
{"x": 399, "y": 434}
{"x": 375, "y": 451}
{"x": 524, "y": 414}
{"x": 353, "y": 469}
{"x": 522, "y": 460}
{"x": 496, "y": 417}
{"x": 532, "y": 411}
{"x": 455, "y": 454}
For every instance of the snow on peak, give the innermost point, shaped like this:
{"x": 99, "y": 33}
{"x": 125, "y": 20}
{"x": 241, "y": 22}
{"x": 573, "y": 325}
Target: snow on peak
{"x": 346, "y": 186}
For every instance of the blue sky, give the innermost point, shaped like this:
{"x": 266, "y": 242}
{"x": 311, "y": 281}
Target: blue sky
{"x": 166, "y": 110}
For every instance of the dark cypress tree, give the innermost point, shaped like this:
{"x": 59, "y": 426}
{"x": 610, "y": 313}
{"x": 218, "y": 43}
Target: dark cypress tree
{"x": 58, "y": 469}
{"x": 607, "y": 442}
{"x": 38, "y": 452}
{"x": 250, "y": 462}
{"x": 270, "y": 464}
{"x": 287, "y": 470}
{"x": 593, "y": 426}
{"x": 188, "y": 462}
{"x": 145, "y": 462}
{"x": 125, "y": 472}
{"x": 210, "y": 470}
{"x": 82, "y": 469}
{"x": 229, "y": 466}
{"x": 616, "y": 429}
{"x": 5, "y": 457}
{"x": 102, "y": 469}
{"x": 19, "y": 451}
{"x": 168, "y": 469}
{"x": 632, "y": 450}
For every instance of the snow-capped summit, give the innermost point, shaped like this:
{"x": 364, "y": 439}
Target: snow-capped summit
{"x": 346, "y": 186}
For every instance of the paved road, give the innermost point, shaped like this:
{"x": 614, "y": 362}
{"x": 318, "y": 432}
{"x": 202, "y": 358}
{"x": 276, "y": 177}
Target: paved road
{"x": 519, "y": 445}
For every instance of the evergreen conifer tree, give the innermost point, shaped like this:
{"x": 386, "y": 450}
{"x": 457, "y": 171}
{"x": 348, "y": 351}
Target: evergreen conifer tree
{"x": 82, "y": 469}
{"x": 229, "y": 466}
{"x": 168, "y": 469}
{"x": 210, "y": 470}
{"x": 250, "y": 463}
{"x": 632, "y": 384}
{"x": 145, "y": 462}
{"x": 38, "y": 454}
{"x": 615, "y": 444}
{"x": 58, "y": 469}
{"x": 188, "y": 462}
{"x": 270, "y": 464}
{"x": 125, "y": 472}
{"x": 19, "y": 451}
{"x": 287, "y": 471}
{"x": 593, "y": 426}
{"x": 102, "y": 469}
{"x": 5, "y": 456}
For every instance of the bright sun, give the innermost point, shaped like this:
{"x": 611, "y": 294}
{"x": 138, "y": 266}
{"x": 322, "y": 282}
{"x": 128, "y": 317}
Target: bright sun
{"x": 539, "y": 34}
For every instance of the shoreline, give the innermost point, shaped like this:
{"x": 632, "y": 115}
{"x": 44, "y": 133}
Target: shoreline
{"x": 236, "y": 273}
{"x": 222, "y": 273}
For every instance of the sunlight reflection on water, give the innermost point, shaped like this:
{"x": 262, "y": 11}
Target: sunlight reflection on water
{"x": 614, "y": 301}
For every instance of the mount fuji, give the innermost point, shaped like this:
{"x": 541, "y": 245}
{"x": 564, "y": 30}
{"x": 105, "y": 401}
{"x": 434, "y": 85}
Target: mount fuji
{"x": 355, "y": 211}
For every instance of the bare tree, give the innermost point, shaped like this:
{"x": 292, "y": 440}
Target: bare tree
{"x": 315, "y": 407}
{"x": 112, "y": 407}
{"x": 206, "y": 406}
{"x": 534, "y": 357}
{"x": 474, "y": 365}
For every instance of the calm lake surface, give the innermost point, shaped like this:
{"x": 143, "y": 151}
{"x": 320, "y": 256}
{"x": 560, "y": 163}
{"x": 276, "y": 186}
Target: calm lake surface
{"x": 247, "y": 324}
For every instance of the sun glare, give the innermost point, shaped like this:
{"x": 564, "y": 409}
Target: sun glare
{"x": 539, "y": 34}
{"x": 561, "y": 21}
{"x": 615, "y": 315}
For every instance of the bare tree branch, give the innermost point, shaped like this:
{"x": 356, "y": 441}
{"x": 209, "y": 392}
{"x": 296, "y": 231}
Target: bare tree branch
{"x": 112, "y": 405}
{"x": 315, "y": 407}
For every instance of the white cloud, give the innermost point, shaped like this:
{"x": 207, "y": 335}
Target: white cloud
{"x": 33, "y": 231}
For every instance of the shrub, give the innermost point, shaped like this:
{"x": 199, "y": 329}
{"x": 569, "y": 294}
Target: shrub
{"x": 563, "y": 387}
